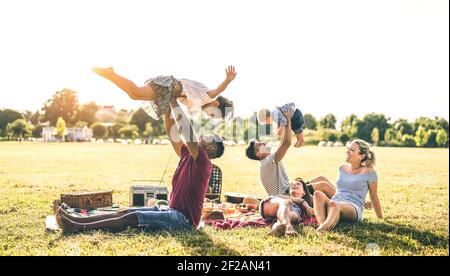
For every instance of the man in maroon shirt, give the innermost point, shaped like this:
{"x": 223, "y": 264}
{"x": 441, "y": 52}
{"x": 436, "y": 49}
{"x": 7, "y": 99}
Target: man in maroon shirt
{"x": 189, "y": 185}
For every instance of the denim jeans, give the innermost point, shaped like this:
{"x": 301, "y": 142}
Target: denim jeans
{"x": 297, "y": 122}
{"x": 153, "y": 219}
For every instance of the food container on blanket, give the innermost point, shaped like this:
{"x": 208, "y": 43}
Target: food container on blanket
{"x": 234, "y": 198}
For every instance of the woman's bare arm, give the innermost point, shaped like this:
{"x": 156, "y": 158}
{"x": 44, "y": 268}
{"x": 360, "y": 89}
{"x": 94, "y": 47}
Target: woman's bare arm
{"x": 375, "y": 200}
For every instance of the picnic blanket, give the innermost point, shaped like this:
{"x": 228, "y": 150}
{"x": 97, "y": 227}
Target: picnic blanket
{"x": 253, "y": 221}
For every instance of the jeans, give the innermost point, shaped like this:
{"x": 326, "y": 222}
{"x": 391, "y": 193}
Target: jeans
{"x": 153, "y": 219}
{"x": 297, "y": 122}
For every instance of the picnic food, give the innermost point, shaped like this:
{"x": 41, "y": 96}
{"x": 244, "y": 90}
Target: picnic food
{"x": 251, "y": 200}
{"x": 213, "y": 215}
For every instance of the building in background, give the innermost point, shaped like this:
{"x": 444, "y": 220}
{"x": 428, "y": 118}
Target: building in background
{"x": 74, "y": 134}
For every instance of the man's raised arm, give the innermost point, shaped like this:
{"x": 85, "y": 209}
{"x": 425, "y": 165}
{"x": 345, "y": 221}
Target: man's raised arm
{"x": 182, "y": 122}
{"x": 173, "y": 133}
{"x": 287, "y": 139}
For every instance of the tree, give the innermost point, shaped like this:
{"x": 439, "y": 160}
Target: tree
{"x": 350, "y": 126}
{"x": 61, "y": 129}
{"x": 36, "y": 118}
{"x": 327, "y": 134}
{"x": 403, "y": 126}
{"x": 369, "y": 122}
{"x": 19, "y": 128}
{"x": 64, "y": 104}
{"x": 441, "y": 123}
{"x": 122, "y": 117}
{"x": 344, "y": 138}
{"x": 442, "y": 138}
{"x": 86, "y": 113}
{"x": 390, "y": 135}
{"x": 8, "y": 116}
{"x": 332, "y": 137}
{"x": 140, "y": 118}
{"x": 27, "y": 115}
{"x": 129, "y": 132}
{"x": 375, "y": 136}
{"x": 121, "y": 121}
{"x": 149, "y": 131}
{"x": 99, "y": 131}
{"x": 348, "y": 123}
{"x": 399, "y": 136}
{"x": 37, "y": 131}
{"x": 421, "y": 137}
{"x": 310, "y": 121}
{"x": 329, "y": 121}
{"x": 424, "y": 122}
{"x": 408, "y": 140}
{"x": 431, "y": 143}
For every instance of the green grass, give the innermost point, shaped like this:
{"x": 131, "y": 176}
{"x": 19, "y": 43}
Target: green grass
{"x": 413, "y": 188}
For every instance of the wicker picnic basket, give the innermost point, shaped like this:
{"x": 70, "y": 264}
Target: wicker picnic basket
{"x": 88, "y": 200}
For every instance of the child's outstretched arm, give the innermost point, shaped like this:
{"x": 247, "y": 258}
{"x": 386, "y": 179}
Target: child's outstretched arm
{"x": 230, "y": 76}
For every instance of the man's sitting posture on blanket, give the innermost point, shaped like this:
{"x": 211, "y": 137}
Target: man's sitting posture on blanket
{"x": 189, "y": 185}
{"x": 288, "y": 210}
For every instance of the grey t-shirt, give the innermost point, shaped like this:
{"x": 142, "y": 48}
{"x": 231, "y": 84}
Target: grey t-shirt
{"x": 353, "y": 188}
{"x": 273, "y": 176}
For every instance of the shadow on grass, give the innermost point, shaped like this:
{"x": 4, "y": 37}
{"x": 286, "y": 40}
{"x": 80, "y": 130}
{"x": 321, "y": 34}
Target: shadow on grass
{"x": 196, "y": 242}
{"x": 391, "y": 235}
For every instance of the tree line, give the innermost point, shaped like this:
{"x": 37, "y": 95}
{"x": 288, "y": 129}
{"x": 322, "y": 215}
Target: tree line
{"x": 63, "y": 110}
{"x": 381, "y": 130}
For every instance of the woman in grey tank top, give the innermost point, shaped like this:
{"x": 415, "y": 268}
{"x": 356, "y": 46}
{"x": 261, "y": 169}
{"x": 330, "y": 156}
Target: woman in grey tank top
{"x": 356, "y": 178}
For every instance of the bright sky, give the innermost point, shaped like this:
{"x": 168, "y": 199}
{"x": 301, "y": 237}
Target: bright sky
{"x": 332, "y": 56}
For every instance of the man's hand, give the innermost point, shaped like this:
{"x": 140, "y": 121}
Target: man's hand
{"x": 231, "y": 73}
{"x": 287, "y": 115}
{"x": 176, "y": 90}
{"x": 287, "y": 139}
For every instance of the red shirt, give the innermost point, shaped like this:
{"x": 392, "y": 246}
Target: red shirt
{"x": 190, "y": 183}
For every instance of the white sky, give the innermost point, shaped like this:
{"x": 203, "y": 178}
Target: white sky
{"x": 333, "y": 56}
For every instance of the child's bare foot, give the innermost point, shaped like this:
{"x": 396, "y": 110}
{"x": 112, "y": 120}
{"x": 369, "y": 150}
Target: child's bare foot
{"x": 104, "y": 72}
{"x": 290, "y": 231}
{"x": 278, "y": 230}
{"x": 300, "y": 141}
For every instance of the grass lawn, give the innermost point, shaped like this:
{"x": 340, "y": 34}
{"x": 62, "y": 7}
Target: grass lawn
{"x": 413, "y": 189}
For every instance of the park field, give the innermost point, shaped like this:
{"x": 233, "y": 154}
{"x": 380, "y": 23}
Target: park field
{"x": 413, "y": 189}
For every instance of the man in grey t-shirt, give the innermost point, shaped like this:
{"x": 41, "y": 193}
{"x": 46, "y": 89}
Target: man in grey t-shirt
{"x": 272, "y": 171}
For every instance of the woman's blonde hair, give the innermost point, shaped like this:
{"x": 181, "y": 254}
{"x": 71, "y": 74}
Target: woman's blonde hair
{"x": 369, "y": 159}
